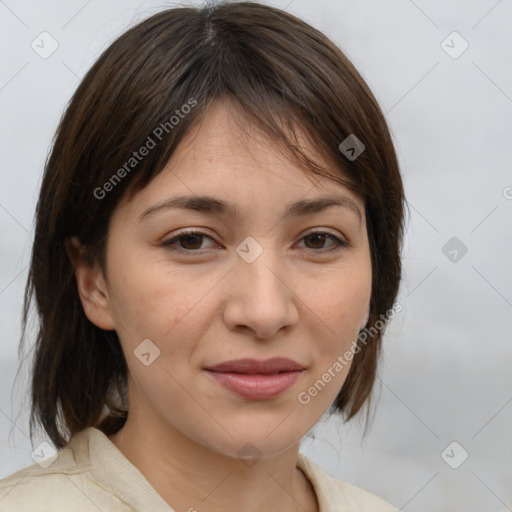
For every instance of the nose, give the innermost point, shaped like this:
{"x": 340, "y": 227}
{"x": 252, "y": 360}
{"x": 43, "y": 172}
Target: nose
{"x": 260, "y": 297}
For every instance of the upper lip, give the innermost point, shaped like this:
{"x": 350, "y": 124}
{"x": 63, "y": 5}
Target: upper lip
{"x": 274, "y": 365}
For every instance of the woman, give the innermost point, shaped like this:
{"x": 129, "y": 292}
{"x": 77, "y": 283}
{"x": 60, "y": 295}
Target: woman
{"x": 216, "y": 255}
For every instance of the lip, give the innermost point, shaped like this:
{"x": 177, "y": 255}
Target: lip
{"x": 253, "y": 366}
{"x": 257, "y": 380}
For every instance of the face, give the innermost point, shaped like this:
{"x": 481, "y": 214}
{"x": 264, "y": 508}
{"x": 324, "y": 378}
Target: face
{"x": 259, "y": 284}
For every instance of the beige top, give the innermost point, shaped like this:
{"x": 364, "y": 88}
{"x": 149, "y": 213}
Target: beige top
{"x": 92, "y": 474}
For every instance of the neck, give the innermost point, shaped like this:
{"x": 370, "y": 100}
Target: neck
{"x": 193, "y": 478}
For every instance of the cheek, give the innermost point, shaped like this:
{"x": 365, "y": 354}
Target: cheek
{"x": 340, "y": 309}
{"x": 340, "y": 306}
{"x": 150, "y": 301}
{"x": 341, "y": 302}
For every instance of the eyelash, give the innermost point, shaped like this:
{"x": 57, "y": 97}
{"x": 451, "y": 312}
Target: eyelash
{"x": 340, "y": 244}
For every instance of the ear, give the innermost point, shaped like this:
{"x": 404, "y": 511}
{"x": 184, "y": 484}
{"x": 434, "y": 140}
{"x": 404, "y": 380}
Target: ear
{"x": 91, "y": 285}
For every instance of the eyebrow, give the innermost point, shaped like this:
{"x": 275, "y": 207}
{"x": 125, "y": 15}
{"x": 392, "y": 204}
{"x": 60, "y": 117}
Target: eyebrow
{"x": 212, "y": 205}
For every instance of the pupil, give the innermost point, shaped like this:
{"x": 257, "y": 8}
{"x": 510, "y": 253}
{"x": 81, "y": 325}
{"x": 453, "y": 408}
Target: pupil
{"x": 187, "y": 239}
{"x": 317, "y": 238}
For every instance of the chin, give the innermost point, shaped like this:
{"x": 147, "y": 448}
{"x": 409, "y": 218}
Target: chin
{"x": 267, "y": 437}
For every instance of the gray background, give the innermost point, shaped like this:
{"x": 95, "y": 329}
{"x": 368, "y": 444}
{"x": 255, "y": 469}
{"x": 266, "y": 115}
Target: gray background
{"x": 445, "y": 374}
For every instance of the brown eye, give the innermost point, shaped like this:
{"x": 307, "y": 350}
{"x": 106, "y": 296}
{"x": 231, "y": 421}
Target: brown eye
{"x": 191, "y": 241}
{"x": 318, "y": 238}
{"x": 186, "y": 241}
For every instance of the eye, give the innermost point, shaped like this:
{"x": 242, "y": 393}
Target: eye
{"x": 319, "y": 237}
{"x": 191, "y": 241}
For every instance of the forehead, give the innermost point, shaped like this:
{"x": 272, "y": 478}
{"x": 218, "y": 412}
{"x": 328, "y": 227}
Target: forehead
{"x": 226, "y": 132}
{"x": 224, "y": 156}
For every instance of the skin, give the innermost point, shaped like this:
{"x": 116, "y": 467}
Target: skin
{"x": 205, "y": 307}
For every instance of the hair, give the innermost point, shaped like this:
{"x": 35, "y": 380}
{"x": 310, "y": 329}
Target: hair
{"x": 283, "y": 76}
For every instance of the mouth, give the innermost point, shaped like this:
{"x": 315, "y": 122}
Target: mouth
{"x": 257, "y": 380}
{"x": 275, "y": 365}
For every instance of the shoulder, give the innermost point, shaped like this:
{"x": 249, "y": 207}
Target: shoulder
{"x": 362, "y": 500}
{"x": 63, "y": 482}
{"x": 42, "y": 484}
{"x": 335, "y": 495}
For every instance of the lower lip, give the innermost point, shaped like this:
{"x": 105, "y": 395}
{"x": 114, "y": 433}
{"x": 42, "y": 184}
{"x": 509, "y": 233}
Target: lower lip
{"x": 256, "y": 386}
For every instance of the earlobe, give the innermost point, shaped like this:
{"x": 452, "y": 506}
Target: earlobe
{"x": 91, "y": 286}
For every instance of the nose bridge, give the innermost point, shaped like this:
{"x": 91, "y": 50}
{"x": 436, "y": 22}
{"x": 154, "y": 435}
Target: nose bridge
{"x": 257, "y": 265}
{"x": 260, "y": 298}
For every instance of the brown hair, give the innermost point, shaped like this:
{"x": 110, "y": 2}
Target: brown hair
{"x": 283, "y": 75}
